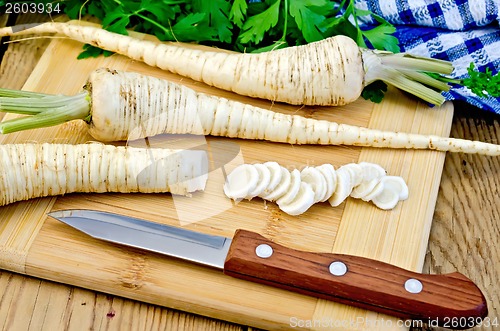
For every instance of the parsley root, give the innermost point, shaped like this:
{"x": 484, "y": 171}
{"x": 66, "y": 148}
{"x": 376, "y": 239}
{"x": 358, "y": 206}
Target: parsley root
{"x": 296, "y": 191}
{"x": 120, "y": 106}
{"x": 38, "y": 170}
{"x": 332, "y": 71}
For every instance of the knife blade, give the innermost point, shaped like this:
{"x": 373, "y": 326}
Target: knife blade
{"x": 347, "y": 279}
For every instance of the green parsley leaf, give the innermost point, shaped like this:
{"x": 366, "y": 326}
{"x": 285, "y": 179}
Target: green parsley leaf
{"x": 92, "y": 51}
{"x": 217, "y": 16}
{"x": 186, "y": 29}
{"x": 340, "y": 25}
{"x": 380, "y": 38}
{"x": 73, "y": 9}
{"x": 483, "y": 84}
{"x": 161, "y": 11}
{"x": 308, "y": 21}
{"x": 238, "y": 12}
{"x": 294, "y": 34}
{"x": 95, "y": 10}
{"x": 117, "y": 21}
{"x": 256, "y": 26}
{"x": 375, "y": 91}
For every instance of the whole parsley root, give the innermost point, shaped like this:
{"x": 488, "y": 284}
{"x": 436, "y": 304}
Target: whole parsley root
{"x": 30, "y": 171}
{"x": 332, "y": 71}
{"x": 120, "y": 106}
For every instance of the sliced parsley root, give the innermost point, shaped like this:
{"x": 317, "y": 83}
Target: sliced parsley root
{"x": 332, "y": 71}
{"x": 125, "y": 106}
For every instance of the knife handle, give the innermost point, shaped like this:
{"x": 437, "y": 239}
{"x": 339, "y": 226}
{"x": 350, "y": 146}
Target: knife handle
{"x": 357, "y": 281}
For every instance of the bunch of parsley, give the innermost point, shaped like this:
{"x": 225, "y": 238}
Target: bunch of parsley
{"x": 239, "y": 25}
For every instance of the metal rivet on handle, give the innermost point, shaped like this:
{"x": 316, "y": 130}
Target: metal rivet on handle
{"x": 338, "y": 268}
{"x": 413, "y": 285}
{"x": 264, "y": 251}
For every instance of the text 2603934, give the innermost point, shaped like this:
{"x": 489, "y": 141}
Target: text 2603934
{"x": 32, "y": 8}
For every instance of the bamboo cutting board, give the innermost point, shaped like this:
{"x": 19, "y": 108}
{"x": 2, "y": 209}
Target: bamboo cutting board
{"x": 33, "y": 244}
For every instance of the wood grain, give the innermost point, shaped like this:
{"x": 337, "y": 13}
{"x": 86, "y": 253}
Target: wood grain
{"x": 465, "y": 230}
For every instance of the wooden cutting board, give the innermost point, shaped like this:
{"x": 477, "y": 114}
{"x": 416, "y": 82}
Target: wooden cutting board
{"x": 33, "y": 244}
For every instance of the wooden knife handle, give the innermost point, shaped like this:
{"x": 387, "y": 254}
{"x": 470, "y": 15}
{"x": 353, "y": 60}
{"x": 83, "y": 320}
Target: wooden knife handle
{"x": 357, "y": 281}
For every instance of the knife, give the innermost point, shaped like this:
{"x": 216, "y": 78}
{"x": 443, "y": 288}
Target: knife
{"x": 352, "y": 280}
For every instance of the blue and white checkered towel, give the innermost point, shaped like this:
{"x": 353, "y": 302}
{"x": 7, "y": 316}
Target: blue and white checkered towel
{"x": 459, "y": 31}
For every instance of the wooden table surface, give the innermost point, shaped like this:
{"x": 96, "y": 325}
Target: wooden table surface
{"x": 464, "y": 236}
